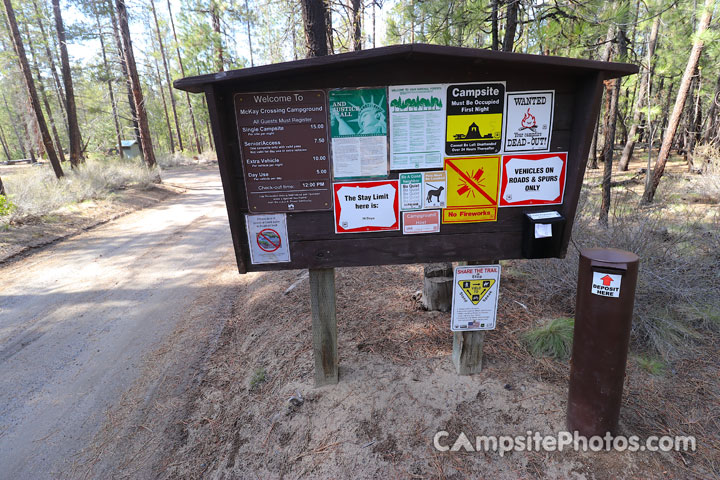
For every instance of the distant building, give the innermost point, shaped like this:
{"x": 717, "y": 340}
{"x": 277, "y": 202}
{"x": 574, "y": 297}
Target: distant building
{"x": 131, "y": 149}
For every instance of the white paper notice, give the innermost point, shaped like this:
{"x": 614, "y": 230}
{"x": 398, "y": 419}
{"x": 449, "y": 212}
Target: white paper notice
{"x": 268, "y": 238}
{"x": 543, "y": 230}
{"x": 367, "y": 207}
{"x": 533, "y": 180}
{"x": 355, "y": 157}
{"x": 606, "y": 284}
{"x": 417, "y": 125}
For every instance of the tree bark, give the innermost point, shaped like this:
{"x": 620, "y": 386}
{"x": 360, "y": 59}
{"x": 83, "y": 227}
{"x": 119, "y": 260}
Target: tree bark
{"x": 356, "y": 9}
{"x": 612, "y": 94}
{"x": 327, "y": 9}
{"x": 712, "y": 124}
{"x": 315, "y": 28}
{"x": 167, "y": 76}
{"x": 249, "y": 32}
{"x": 44, "y": 97}
{"x": 74, "y": 137}
{"x": 510, "y": 25}
{"x": 695, "y": 53}
{"x": 640, "y": 99}
{"x": 126, "y": 76}
{"x": 145, "y": 138}
{"x": 164, "y": 104}
{"x": 30, "y": 85}
{"x": 198, "y": 144}
{"x": 6, "y": 149}
{"x": 215, "y": 21}
{"x": 495, "y": 45}
{"x": 111, "y": 92}
{"x": 2, "y": 188}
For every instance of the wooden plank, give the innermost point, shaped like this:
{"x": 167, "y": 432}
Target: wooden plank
{"x": 324, "y": 325}
{"x": 223, "y": 141}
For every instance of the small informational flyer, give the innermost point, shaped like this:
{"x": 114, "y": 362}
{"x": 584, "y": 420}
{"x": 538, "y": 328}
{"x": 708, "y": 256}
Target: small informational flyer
{"x": 268, "y": 238}
{"x": 534, "y": 179}
{"x": 417, "y": 120}
{"x": 366, "y": 206}
{"x": 423, "y": 221}
{"x": 474, "y": 118}
{"x": 475, "y": 297}
{"x": 411, "y": 191}
{"x": 358, "y": 131}
{"x": 528, "y": 121}
{"x": 435, "y": 189}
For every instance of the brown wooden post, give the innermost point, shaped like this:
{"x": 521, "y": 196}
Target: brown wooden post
{"x": 468, "y": 346}
{"x": 324, "y": 325}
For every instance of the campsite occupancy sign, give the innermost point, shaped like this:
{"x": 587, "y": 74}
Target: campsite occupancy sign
{"x": 474, "y": 118}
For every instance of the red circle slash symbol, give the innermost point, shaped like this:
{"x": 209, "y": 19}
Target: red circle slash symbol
{"x": 268, "y": 240}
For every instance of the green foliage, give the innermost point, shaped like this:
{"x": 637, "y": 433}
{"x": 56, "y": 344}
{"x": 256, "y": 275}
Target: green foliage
{"x": 258, "y": 378}
{"x": 652, "y": 365}
{"x": 6, "y": 206}
{"x": 554, "y": 339}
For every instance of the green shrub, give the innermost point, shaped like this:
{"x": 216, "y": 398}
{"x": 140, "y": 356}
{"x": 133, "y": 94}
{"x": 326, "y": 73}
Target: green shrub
{"x": 6, "y": 206}
{"x": 553, "y": 339}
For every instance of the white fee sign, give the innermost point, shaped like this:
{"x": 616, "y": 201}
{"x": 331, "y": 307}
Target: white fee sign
{"x": 475, "y": 297}
{"x": 528, "y": 123}
{"x": 606, "y": 284}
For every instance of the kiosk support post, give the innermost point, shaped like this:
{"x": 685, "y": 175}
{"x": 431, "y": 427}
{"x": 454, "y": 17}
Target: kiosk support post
{"x": 324, "y": 325}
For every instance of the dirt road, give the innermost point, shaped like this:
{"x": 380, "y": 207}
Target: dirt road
{"x": 77, "y": 319}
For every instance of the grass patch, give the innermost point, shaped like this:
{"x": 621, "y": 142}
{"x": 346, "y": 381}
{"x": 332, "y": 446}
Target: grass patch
{"x": 258, "y": 378}
{"x": 553, "y": 339}
{"x": 652, "y": 365}
{"x": 35, "y": 192}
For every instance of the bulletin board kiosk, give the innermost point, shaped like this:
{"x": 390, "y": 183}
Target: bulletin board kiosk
{"x": 403, "y": 154}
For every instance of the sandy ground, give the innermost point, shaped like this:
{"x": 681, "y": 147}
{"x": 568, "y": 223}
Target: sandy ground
{"x": 77, "y": 319}
{"x": 152, "y": 358}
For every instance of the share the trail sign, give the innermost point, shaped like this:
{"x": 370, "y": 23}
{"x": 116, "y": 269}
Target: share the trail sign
{"x": 404, "y": 154}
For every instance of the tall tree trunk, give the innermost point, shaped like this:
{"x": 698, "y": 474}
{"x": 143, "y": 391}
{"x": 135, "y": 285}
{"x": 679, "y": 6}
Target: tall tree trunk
{"x": 712, "y": 123}
{"x": 51, "y": 59}
{"x": 164, "y": 103}
{"x": 356, "y": 9}
{"x": 612, "y": 94}
{"x": 510, "y": 25}
{"x": 2, "y": 188}
{"x": 126, "y": 76}
{"x": 198, "y": 145}
{"x": 167, "y": 76}
{"x": 215, "y": 21}
{"x": 327, "y": 11}
{"x": 30, "y": 85}
{"x": 593, "y": 147}
{"x": 43, "y": 95}
{"x": 5, "y": 146}
{"x": 640, "y": 99}
{"x": 694, "y": 125}
{"x": 315, "y": 29}
{"x": 695, "y": 53}
{"x": 249, "y": 32}
{"x": 15, "y": 121}
{"x": 111, "y": 91}
{"x": 495, "y": 45}
{"x": 75, "y": 139}
{"x": 145, "y": 138}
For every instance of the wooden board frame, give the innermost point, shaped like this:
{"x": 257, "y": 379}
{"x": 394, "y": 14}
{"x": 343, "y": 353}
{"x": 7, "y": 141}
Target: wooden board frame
{"x": 313, "y": 242}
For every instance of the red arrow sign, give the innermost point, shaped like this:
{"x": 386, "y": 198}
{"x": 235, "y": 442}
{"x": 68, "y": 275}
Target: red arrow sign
{"x": 607, "y": 279}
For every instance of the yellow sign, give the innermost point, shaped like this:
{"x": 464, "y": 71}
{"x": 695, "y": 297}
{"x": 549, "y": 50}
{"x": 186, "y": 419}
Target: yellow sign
{"x": 461, "y": 128}
{"x": 476, "y": 289}
{"x": 472, "y": 189}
